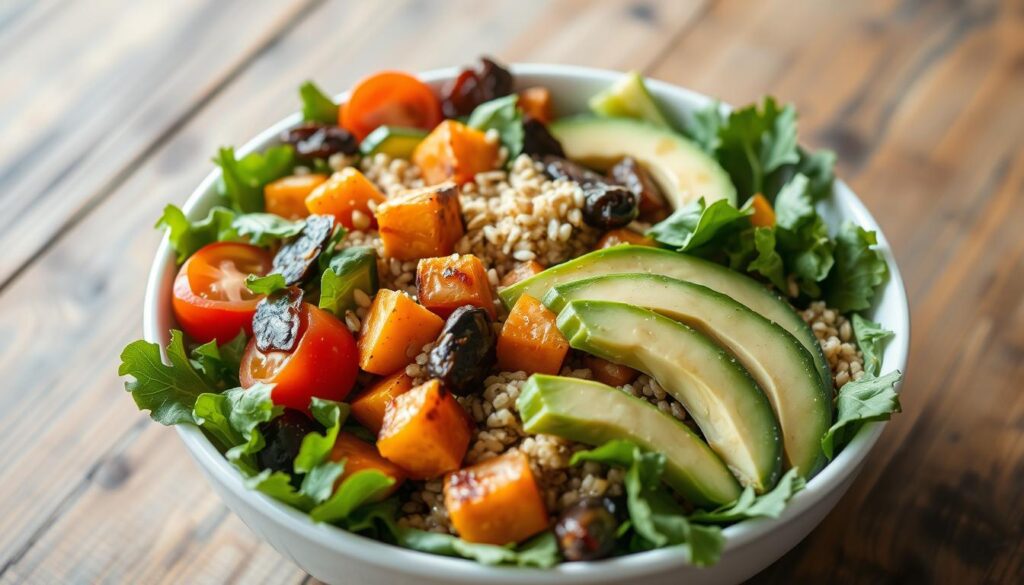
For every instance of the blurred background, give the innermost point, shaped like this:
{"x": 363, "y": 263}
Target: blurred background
{"x": 111, "y": 108}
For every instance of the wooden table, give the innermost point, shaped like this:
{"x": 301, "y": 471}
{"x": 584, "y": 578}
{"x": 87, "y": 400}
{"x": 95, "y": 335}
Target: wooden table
{"x": 111, "y": 108}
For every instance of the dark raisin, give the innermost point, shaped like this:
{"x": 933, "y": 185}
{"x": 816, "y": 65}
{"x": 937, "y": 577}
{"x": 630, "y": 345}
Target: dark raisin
{"x": 295, "y": 258}
{"x": 558, "y": 167}
{"x": 631, "y": 174}
{"x": 586, "y": 530}
{"x": 313, "y": 141}
{"x": 608, "y": 206}
{"x": 537, "y": 141}
{"x": 473, "y": 87}
{"x": 283, "y": 437}
{"x": 278, "y": 319}
{"x": 464, "y": 352}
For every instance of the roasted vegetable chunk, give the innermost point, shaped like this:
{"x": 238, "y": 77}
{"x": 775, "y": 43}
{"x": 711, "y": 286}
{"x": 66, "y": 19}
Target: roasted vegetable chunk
{"x": 521, "y": 271}
{"x": 530, "y": 341}
{"x": 368, "y": 408}
{"x": 359, "y": 455}
{"x": 426, "y": 432}
{"x": 421, "y": 223}
{"x": 455, "y": 152}
{"x": 394, "y": 331}
{"x": 287, "y": 196}
{"x": 348, "y": 196}
{"x": 446, "y": 283}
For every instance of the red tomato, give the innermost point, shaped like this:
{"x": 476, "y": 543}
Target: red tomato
{"x": 390, "y": 98}
{"x": 324, "y": 364}
{"x": 210, "y": 299}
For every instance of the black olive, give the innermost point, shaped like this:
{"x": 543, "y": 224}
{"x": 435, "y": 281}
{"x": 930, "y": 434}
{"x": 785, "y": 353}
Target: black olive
{"x": 632, "y": 175}
{"x": 538, "y": 141}
{"x": 608, "y": 206}
{"x": 464, "y": 352}
{"x": 320, "y": 141}
{"x": 283, "y": 437}
{"x": 295, "y": 258}
{"x": 558, "y": 167}
{"x": 586, "y": 530}
{"x": 473, "y": 87}
{"x": 276, "y": 323}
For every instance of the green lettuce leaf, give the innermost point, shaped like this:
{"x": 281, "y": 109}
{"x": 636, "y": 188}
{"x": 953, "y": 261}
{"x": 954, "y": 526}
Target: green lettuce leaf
{"x": 242, "y": 180}
{"x": 750, "y": 505}
{"x": 859, "y": 402}
{"x": 768, "y": 263}
{"x": 540, "y": 551}
{"x": 316, "y": 105}
{"x": 362, "y": 487}
{"x": 266, "y": 229}
{"x": 802, "y": 236}
{"x": 502, "y": 115}
{"x": 756, "y": 142}
{"x": 220, "y": 364}
{"x": 168, "y": 392}
{"x": 859, "y": 269}
{"x": 278, "y": 485}
{"x": 704, "y": 126}
{"x": 871, "y": 338}
{"x": 317, "y": 446}
{"x": 698, "y": 224}
{"x": 186, "y": 237}
{"x": 265, "y": 285}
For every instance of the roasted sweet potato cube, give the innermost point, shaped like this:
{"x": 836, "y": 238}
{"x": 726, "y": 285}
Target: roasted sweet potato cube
{"x": 454, "y": 152}
{"x": 521, "y": 271}
{"x": 449, "y": 282}
{"x": 496, "y": 502}
{"x": 764, "y": 215}
{"x": 421, "y": 223}
{"x": 287, "y": 196}
{"x": 536, "y": 103}
{"x": 530, "y": 341}
{"x": 426, "y": 432}
{"x": 348, "y": 196}
{"x": 624, "y": 236}
{"x": 359, "y": 455}
{"x": 368, "y": 408}
{"x": 394, "y": 331}
{"x": 608, "y": 372}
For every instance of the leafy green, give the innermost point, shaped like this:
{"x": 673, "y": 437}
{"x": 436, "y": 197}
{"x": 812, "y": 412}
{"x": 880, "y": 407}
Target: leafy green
{"x": 540, "y": 551}
{"x": 750, "y": 505}
{"x": 317, "y": 446}
{"x": 186, "y": 236}
{"x": 754, "y": 143}
{"x": 656, "y": 519}
{"x": 232, "y": 418}
{"x": 704, "y": 126}
{"x": 802, "y": 235}
{"x": 767, "y": 262}
{"x": 168, "y": 392}
{"x": 361, "y": 487}
{"x": 871, "y": 338}
{"x": 861, "y": 401}
{"x": 503, "y": 116}
{"x": 859, "y": 269}
{"x": 350, "y": 269}
{"x": 316, "y": 105}
{"x": 697, "y": 224}
{"x": 242, "y": 181}
{"x": 278, "y": 485}
{"x": 265, "y": 285}
{"x": 219, "y": 364}
{"x": 266, "y": 229}
{"x": 819, "y": 167}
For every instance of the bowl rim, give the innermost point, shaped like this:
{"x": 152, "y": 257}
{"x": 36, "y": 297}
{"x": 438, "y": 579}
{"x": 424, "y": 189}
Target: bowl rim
{"x": 391, "y": 557}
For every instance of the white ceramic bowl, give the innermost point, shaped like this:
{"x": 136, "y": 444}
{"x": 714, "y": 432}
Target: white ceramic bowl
{"x": 335, "y": 556}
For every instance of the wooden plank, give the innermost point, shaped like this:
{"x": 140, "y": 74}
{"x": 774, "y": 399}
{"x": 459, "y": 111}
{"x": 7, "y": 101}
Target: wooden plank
{"x": 86, "y": 102}
{"x": 107, "y": 282}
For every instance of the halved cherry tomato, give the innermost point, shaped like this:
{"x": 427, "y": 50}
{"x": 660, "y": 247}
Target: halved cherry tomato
{"x": 210, "y": 299}
{"x": 389, "y": 98}
{"x": 324, "y": 364}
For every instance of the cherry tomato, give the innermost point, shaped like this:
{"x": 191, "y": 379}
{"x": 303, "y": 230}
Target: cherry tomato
{"x": 324, "y": 364}
{"x": 210, "y": 299}
{"x": 390, "y": 98}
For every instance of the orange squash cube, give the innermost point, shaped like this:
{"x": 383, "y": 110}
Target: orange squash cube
{"x": 368, "y": 408}
{"x": 624, "y": 236}
{"x": 426, "y": 431}
{"x": 454, "y": 152}
{"x": 395, "y": 330}
{"x": 521, "y": 271}
{"x": 347, "y": 195}
{"x": 496, "y": 502}
{"x": 421, "y": 223}
{"x": 536, "y": 103}
{"x": 449, "y": 282}
{"x": 287, "y": 196}
{"x": 530, "y": 341}
{"x": 608, "y": 372}
{"x": 359, "y": 455}
{"x": 764, "y": 215}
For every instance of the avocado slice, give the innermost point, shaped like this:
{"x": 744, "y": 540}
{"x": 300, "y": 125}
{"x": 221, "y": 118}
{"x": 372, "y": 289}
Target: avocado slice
{"x": 775, "y": 359}
{"x": 394, "y": 141}
{"x": 592, "y": 413}
{"x": 628, "y": 98}
{"x": 619, "y": 259}
{"x": 725, "y": 402}
{"x": 684, "y": 172}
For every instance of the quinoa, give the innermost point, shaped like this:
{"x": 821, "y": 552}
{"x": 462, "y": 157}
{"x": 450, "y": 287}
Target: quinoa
{"x": 835, "y": 334}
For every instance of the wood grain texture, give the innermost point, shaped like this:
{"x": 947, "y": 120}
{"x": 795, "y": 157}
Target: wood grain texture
{"x": 920, "y": 99}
